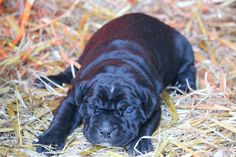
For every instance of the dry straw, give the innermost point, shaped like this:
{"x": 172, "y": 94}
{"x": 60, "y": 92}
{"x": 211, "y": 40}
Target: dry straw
{"x": 42, "y": 37}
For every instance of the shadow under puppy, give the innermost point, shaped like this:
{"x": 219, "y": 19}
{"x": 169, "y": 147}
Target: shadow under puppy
{"x": 116, "y": 93}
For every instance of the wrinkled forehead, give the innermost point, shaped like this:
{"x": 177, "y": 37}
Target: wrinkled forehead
{"x": 112, "y": 94}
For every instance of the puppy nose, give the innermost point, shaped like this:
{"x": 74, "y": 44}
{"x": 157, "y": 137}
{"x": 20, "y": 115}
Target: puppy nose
{"x": 105, "y": 130}
{"x": 105, "y": 134}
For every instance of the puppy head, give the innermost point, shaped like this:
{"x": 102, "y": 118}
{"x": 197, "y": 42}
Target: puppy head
{"x": 113, "y": 114}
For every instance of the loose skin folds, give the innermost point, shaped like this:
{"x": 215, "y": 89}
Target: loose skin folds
{"x": 116, "y": 93}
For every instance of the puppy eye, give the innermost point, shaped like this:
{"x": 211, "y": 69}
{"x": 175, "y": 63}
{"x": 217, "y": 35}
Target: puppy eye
{"x": 93, "y": 105}
{"x": 129, "y": 109}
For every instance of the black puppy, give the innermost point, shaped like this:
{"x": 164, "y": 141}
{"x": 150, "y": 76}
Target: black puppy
{"x": 116, "y": 92}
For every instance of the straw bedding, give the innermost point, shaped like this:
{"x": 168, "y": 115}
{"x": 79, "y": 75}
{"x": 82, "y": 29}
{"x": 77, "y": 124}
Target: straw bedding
{"x": 42, "y": 37}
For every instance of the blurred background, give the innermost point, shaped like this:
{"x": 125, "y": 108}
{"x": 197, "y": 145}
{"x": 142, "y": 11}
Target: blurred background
{"x": 42, "y": 37}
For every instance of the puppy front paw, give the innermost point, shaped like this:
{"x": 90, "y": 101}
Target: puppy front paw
{"x": 56, "y": 142}
{"x": 144, "y": 146}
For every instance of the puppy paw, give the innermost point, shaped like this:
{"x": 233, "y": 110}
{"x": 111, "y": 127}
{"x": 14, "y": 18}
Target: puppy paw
{"x": 56, "y": 142}
{"x": 144, "y": 146}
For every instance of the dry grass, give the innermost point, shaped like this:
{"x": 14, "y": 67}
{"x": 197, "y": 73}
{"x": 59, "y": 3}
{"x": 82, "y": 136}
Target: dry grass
{"x": 45, "y": 38}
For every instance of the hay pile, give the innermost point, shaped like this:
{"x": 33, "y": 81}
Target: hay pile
{"x": 42, "y": 37}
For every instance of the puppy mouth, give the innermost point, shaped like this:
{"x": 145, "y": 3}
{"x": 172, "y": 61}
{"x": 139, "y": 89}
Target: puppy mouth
{"x": 109, "y": 145}
{"x": 106, "y": 144}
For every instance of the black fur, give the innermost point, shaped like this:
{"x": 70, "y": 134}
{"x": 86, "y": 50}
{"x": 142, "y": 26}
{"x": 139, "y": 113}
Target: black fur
{"x": 124, "y": 68}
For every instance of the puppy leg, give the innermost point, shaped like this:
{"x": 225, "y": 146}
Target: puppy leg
{"x": 145, "y": 145}
{"x": 63, "y": 77}
{"x": 186, "y": 77}
{"x": 187, "y": 72}
{"x": 66, "y": 119}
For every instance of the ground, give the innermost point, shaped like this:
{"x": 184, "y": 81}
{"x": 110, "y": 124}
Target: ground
{"x": 42, "y": 37}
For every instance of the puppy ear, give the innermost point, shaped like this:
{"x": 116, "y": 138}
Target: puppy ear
{"x": 80, "y": 92}
{"x": 151, "y": 103}
{"x": 154, "y": 102}
{"x": 159, "y": 87}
